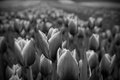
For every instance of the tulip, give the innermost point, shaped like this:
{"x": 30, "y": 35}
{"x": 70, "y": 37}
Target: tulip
{"x": 91, "y": 22}
{"x": 67, "y": 67}
{"x": 26, "y": 25}
{"x": 106, "y": 64}
{"x": 16, "y": 69}
{"x": 108, "y": 34}
{"x": 51, "y": 32}
{"x": 97, "y": 29}
{"x": 22, "y": 43}
{"x": 92, "y": 58}
{"x": 98, "y": 22}
{"x": 18, "y": 28}
{"x": 72, "y": 26}
{"x": 115, "y": 30}
{"x": 54, "y": 43}
{"x": 94, "y": 42}
{"x": 28, "y": 53}
{"x": 42, "y": 43}
{"x": 45, "y": 66}
{"x": 18, "y": 53}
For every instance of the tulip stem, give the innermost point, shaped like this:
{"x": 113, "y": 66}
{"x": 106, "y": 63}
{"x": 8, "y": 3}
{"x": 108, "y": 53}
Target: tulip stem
{"x": 2, "y": 76}
{"x": 29, "y": 73}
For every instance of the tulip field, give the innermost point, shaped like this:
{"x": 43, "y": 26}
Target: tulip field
{"x": 54, "y": 44}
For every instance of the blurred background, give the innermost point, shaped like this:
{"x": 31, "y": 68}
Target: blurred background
{"x": 108, "y": 9}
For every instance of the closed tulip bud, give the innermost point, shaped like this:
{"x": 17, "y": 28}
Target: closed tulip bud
{"x": 96, "y": 29}
{"x": 18, "y": 53}
{"x": 54, "y": 43}
{"x": 91, "y": 22}
{"x": 92, "y": 58}
{"x": 42, "y": 43}
{"x": 108, "y": 33}
{"x": 115, "y": 30}
{"x": 22, "y": 43}
{"x": 98, "y": 22}
{"x": 45, "y": 66}
{"x": 51, "y": 32}
{"x": 67, "y": 67}
{"x": 73, "y": 28}
{"x": 106, "y": 64}
{"x": 94, "y": 42}
{"x": 28, "y": 53}
{"x": 18, "y": 26}
{"x": 26, "y": 25}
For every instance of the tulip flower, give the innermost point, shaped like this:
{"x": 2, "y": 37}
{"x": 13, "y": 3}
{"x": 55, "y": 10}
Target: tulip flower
{"x": 106, "y": 64}
{"x": 92, "y": 58}
{"x": 98, "y": 22}
{"x": 42, "y": 43}
{"x": 67, "y": 67}
{"x": 16, "y": 69}
{"x": 28, "y": 53}
{"x": 91, "y": 22}
{"x": 108, "y": 34}
{"x": 51, "y": 32}
{"x": 72, "y": 26}
{"x": 45, "y": 66}
{"x": 94, "y": 42}
{"x": 54, "y": 43}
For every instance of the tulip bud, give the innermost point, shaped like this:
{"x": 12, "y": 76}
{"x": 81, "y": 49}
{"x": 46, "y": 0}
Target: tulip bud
{"x": 28, "y": 53}
{"x": 18, "y": 53}
{"x": 42, "y": 43}
{"x": 115, "y": 30}
{"x": 51, "y": 32}
{"x": 92, "y": 58}
{"x": 94, "y": 42}
{"x": 108, "y": 33}
{"x": 91, "y": 22}
{"x": 45, "y": 66}
{"x": 98, "y": 22}
{"x": 106, "y": 64}
{"x": 67, "y": 67}
{"x": 54, "y": 43}
{"x": 72, "y": 26}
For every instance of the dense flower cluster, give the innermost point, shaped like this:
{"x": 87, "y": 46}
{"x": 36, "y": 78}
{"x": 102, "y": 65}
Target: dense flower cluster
{"x": 55, "y": 45}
